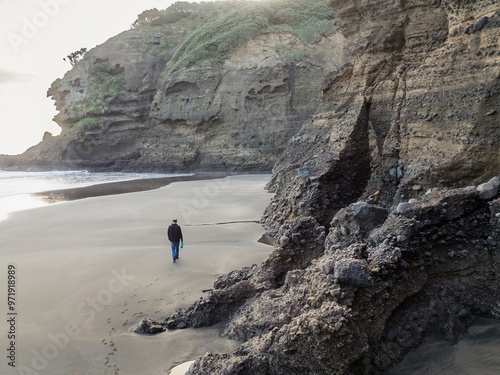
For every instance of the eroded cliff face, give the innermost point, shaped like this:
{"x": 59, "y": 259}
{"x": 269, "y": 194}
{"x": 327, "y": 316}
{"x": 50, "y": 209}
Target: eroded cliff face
{"x": 373, "y": 246}
{"x": 416, "y": 106}
{"x": 430, "y": 92}
{"x": 122, "y": 107}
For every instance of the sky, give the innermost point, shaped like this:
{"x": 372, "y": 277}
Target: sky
{"x": 35, "y": 35}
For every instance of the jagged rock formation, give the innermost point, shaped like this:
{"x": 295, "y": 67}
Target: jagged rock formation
{"x": 352, "y": 285}
{"x": 123, "y": 108}
{"x": 149, "y": 326}
{"x": 381, "y": 282}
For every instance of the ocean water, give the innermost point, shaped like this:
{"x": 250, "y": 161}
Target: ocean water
{"x": 17, "y": 189}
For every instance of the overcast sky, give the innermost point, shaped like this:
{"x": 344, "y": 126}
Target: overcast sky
{"x": 35, "y": 35}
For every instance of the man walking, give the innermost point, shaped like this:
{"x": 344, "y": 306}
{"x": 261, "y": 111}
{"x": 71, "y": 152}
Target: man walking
{"x": 174, "y": 234}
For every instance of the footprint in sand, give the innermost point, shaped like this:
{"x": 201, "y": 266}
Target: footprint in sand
{"x": 124, "y": 311}
{"x": 107, "y": 363}
{"x": 125, "y": 323}
{"x": 142, "y": 301}
{"x": 108, "y": 358}
{"x": 139, "y": 313}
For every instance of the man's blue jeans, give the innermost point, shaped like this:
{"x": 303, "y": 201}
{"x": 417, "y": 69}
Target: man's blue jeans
{"x": 175, "y": 250}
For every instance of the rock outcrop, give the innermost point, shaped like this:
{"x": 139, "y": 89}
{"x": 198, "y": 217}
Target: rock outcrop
{"x": 380, "y": 282}
{"x": 122, "y": 107}
{"x": 367, "y": 261}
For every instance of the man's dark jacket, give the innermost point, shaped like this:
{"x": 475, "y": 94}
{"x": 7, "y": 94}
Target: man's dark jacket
{"x": 174, "y": 233}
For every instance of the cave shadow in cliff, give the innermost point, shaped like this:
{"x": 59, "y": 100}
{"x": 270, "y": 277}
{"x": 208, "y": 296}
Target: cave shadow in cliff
{"x": 341, "y": 184}
{"x": 347, "y": 178}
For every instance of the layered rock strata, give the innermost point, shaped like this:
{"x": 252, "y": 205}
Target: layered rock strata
{"x": 366, "y": 263}
{"x": 122, "y": 107}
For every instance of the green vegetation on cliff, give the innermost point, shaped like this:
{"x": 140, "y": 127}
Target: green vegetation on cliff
{"x": 217, "y": 28}
{"x": 86, "y": 121}
{"x": 105, "y": 86}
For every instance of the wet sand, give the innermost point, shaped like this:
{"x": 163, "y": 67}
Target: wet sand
{"x": 477, "y": 353}
{"x": 120, "y": 187}
{"x": 88, "y": 270}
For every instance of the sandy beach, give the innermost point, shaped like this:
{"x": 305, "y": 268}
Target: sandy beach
{"x": 87, "y": 271}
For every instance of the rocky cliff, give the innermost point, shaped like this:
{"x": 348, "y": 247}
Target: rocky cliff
{"x": 123, "y": 106}
{"x": 381, "y": 233}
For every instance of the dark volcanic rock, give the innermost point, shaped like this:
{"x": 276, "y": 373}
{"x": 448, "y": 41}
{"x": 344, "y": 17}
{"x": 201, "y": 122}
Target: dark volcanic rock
{"x": 368, "y": 299}
{"x": 149, "y": 326}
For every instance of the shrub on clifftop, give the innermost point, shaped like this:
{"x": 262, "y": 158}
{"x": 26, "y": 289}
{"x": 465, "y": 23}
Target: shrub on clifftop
{"x": 220, "y": 27}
